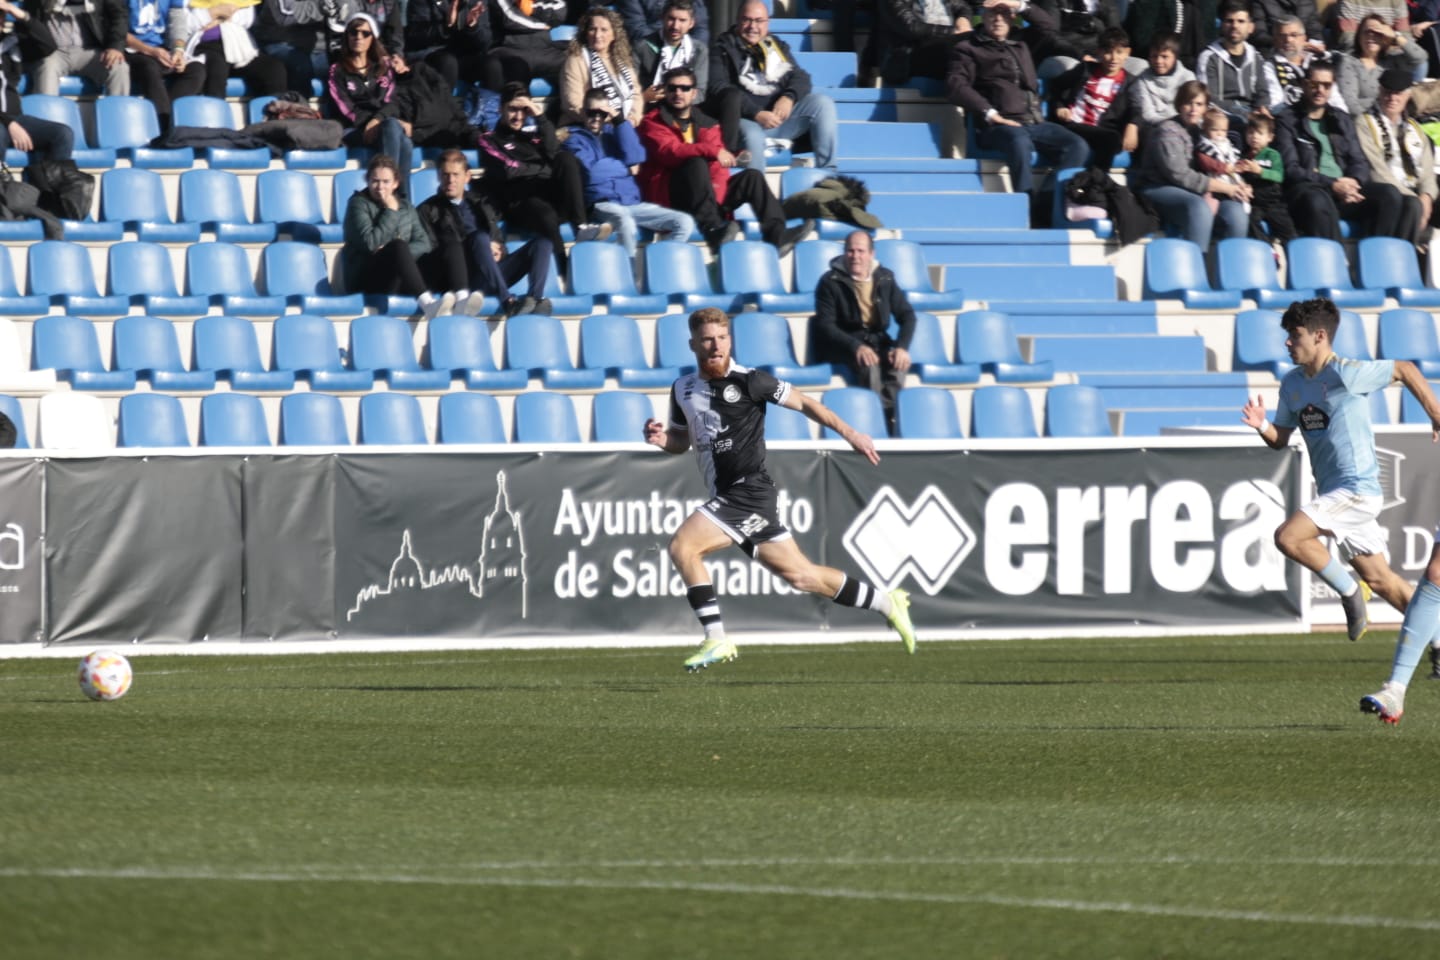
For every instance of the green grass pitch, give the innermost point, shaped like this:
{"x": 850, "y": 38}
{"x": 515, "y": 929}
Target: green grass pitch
{"x": 1191, "y": 797}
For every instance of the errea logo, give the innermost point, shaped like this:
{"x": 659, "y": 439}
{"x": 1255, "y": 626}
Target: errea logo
{"x": 927, "y": 539}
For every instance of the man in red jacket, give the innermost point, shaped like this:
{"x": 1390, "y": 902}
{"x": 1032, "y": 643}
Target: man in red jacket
{"x": 688, "y": 168}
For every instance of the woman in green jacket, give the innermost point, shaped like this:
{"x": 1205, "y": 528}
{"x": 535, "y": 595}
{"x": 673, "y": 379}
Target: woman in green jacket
{"x": 383, "y": 239}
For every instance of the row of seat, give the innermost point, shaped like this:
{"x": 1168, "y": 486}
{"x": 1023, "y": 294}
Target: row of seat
{"x": 1405, "y": 333}
{"x": 381, "y": 348}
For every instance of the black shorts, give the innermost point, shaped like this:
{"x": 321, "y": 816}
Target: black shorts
{"x": 747, "y": 513}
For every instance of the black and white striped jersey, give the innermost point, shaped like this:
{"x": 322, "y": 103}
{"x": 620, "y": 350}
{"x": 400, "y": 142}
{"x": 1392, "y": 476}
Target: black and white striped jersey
{"x": 726, "y": 420}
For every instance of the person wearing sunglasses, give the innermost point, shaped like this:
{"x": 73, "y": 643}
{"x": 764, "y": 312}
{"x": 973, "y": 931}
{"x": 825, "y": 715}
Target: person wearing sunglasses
{"x": 600, "y": 59}
{"x": 362, "y": 86}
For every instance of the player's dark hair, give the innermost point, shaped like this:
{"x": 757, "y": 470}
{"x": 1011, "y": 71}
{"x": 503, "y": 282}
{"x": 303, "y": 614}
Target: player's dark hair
{"x": 1314, "y": 315}
{"x": 706, "y": 315}
{"x": 1112, "y": 38}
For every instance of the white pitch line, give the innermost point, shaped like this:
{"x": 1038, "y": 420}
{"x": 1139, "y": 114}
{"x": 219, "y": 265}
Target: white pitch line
{"x": 744, "y": 889}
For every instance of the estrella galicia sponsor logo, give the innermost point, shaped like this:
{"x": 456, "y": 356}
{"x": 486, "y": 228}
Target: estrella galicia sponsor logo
{"x": 927, "y": 539}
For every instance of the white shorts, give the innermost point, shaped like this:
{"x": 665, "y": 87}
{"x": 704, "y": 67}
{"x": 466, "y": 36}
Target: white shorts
{"x": 1351, "y": 519}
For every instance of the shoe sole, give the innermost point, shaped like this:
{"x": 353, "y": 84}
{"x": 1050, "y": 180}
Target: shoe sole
{"x": 1372, "y": 705}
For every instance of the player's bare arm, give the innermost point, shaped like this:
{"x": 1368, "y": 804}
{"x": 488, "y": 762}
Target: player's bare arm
{"x": 667, "y": 439}
{"x": 1407, "y": 373}
{"x": 826, "y": 417}
{"x": 1253, "y": 416}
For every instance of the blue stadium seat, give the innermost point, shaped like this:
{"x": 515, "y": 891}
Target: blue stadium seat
{"x": 907, "y": 261}
{"x": 12, "y": 301}
{"x": 67, "y": 111}
{"x": 1408, "y": 334}
{"x": 1084, "y": 353}
{"x": 469, "y": 418}
{"x": 1320, "y": 264}
{"x": 751, "y": 269}
{"x": 672, "y": 343}
{"x": 306, "y": 345}
{"x": 11, "y": 408}
{"x": 215, "y": 113}
{"x": 151, "y": 420}
{"x": 212, "y": 199}
{"x": 618, "y": 416}
{"x": 135, "y": 199}
{"x": 221, "y": 272}
{"x": 677, "y": 271}
{"x": 1410, "y": 409}
{"x": 611, "y": 342}
{"x": 545, "y": 417}
{"x": 537, "y": 345}
{"x": 60, "y": 270}
{"x": 562, "y": 304}
{"x": 1260, "y": 343}
{"x": 986, "y": 338}
{"x": 1001, "y": 412}
{"x": 313, "y": 420}
{"x": 460, "y": 345}
{"x": 929, "y": 358}
{"x": 828, "y": 68}
{"x": 1350, "y": 338}
{"x": 142, "y": 272}
{"x": 127, "y": 125}
{"x": 344, "y": 185}
{"x": 70, "y": 347}
{"x": 1389, "y": 264}
{"x": 1076, "y": 410}
{"x": 150, "y": 347}
{"x": 424, "y": 184}
{"x": 288, "y": 199}
{"x": 763, "y": 340}
{"x": 782, "y": 423}
{"x": 603, "y": 272}
{"x": 812, "y": 261}
{"x": 1379, "y": 409}
{"x": 391, "y": 418}
{"x": 927, "y": 413}
{"x": 1247, "y": 266}
{"x": 1175, "y": 270}
{"x": 233, "y": 420}
{"x": 385, "y": 345}
{"x": 297, "y": 272}
{"x": 857, "y": 406}
{"x": 228, "y": 347}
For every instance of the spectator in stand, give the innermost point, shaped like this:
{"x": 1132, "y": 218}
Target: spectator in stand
{"x": 772, "y": 93}
{"x": 608, "y": 149}
{"x": 673, "y": 45}
{"x": 1263, "y": 169}
{"x": 1377, "y": 48}
{"x": 450, "y": 35}
{"x": 855, "y": 302}
{"x": 383, "y": 239}
{"x": 600, "y": 59}
{"x": 88, "y": 38}
{"x": 913, "y": 38}
{"x": 645, "y": 17}
{"x": 294, "y": 32}
{"x": 1193, "y": 21}
{"x": 1426, "y": 31}
{"x": 688, "y": 168}
{"x": 1093, "y": 100}
{"x": 1078, "y": 26}
{"x": 992, "y": 75}
{"x": 1269, "y": 14}
{"x": 389, "y": 24}
{"x": 533, "y": 182}
{"x": 219, "y": 38}
{"x": 469, "y": 259}
{"x": 1289, "y": 60}
{"x": 1349, "y": 13}
{"x": 1167, "y": 176}
{"x": 1215, "y": 153}
{"x": 155, "y": 53}
{"x": 1326, "y": 175}
{"x": 362, "y": 88}
{"x": 1234, "y": 72}
{"x": 521, "y": 48}
{"x": 1152, "y": 95}
{"x": 44, "y": 138}
{"x": 1400, "y": 154}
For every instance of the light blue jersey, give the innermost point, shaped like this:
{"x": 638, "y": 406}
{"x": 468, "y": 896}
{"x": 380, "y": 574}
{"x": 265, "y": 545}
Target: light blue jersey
{"x": 1332, "y": 410}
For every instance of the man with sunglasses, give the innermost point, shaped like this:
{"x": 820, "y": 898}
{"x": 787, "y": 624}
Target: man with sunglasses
{"x": 687, "y": 168}
{"x": 608, "y": 149}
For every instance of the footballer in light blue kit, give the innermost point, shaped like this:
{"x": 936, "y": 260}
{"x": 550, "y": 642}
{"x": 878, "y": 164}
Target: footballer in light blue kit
{"x": 1326, "y": 398}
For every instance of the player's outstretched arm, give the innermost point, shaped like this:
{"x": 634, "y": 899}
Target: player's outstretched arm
{"x": 823, "y": 415}
{"x": 671, "y": 441}
{"x": 1253, "y": 416}
{"x": 1407, "y": 373}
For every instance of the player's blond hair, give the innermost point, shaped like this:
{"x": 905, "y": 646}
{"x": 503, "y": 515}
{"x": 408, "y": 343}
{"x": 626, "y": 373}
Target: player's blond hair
{"x": 706, "y": 315}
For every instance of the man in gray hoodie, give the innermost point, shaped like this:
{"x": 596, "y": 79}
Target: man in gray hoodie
{"x": 1233, "y": 71}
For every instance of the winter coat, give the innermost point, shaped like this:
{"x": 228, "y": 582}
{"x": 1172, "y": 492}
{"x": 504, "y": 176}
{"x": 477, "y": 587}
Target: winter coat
{"x": 986, "y": 73}
{"x": 1065, "y": 88}
{"x": 427, "y": 29}
{"x": 1269, "y": 13}
{"x": 836, "y": 327}
{"x": 436, "y": 118}
{"x": 1146, "y": 19}
{"x": 109, "y": 22}
{"x": 1168, "y": 159}
{"x": 509, "y": 21}
{"x": 510, "y": 154}
{"x": 606, "y": 160}
{"x": 1301, "y": 153}
{"x": 361, "y": 97}
{"x": 666, "y": 149}
{"x": 370, "y": 226}
{"x": 442, "y": 219}
{"x": 834, "y": 198}
{"x": 727, "y": 60}
{"x": 647, "y": 61}
{"x": 900, "y": 27}
{"x": 1153, "y": 96}
{"x": 1077, "y": 30}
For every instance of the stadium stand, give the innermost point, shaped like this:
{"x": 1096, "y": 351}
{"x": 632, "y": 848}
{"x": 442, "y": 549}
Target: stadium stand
{"x": 1247, "y": 266}
{"x": 313, "y": 420}
{"x": 545, "y": 417}
{"x": 1001, "y": 412}
{"x": 1409, "y": 334}
{"x": 469, "y": 418}
{"x": 148, "y": 346}
{"x": 1321, "y": 265}
{"x": 858, "y": 407}
{"x": 927, "y": 413}
{"x": 151, "y": 420}
{"x": 233, "y": 420}
{"x": 617, "y": 416}
{"x": 391, "y": 418}
{"x": 611, "y": 342}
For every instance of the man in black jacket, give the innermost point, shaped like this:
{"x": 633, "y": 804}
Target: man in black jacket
{"x": 913, "y": 38}
{"x": 854, "y": 304}
{"x": 24, "y": 37}
{"x": 89, "y": 40}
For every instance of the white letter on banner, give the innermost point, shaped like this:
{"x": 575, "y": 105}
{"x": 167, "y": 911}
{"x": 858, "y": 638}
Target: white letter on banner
{"x": 1418, "y": 544}
{"x": 567, "y": 517}
{"x": 1181, "y": 512}
{"x": 1261, "y": 505}
{"x": 14, "y": 532}
{"x": 1003, "y": 533}
{"x": 1124, "y": 507}
{"x": 1075, "y": 510}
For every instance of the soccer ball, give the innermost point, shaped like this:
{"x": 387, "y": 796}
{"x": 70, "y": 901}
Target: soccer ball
{"x": 105, "y": 675}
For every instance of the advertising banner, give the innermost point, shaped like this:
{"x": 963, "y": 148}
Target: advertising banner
{"x": 21, "y": 586}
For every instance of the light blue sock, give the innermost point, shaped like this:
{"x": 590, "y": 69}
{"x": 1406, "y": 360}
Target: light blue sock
{"x": 1339, "y": 578}
{"x": 1422, "y": 617}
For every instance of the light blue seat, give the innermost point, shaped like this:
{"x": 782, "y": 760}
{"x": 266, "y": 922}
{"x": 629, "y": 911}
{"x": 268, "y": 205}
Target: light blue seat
{"x": 391, "y": 418}
{"x": 929, "y": 358}
{"x": 1408, "y": 334}
{"x": 782, "y": 423}
{"x": 811, "y": 260}
{"x": 233, "y": 420}
{"x": 11, "y": 408}
{"x": 127, "y": 125}
{"x": 1175, "y": 270}
{"x": 343, "y": 186}
{"x": 297, "y": 272}
{"x": 677, "y": 271}
{"x": 763, "y": 340}
{"x": 424, "y": 184}
{"x": 611, "y": 342}
{"x": 1350, "y": 337}
{"x": 385, "y": 345}
{"x": 1389, "y": 264}
{"x": 857, "y": 406}
{"x": 305, "y": 344}
{"x": 151, "y": 420}
{"x": 221, "y": 273}
{"x": 12, "y": 301}
{"x": 1410, "y": 409}
{"x": 1076, "y": 410}
{"x": 618, "y": 416}
{"x": 150, "y": 347}
{"x": 751, "y": 270}
{"x": 469, "y": 418}
{"x": 672, "y": 343}
{"x": 460, "y": 345}
{"x": 562, "y": 304}
{"x": 215, "y": 113}
{"x": 828, "y": 68}
{"x": 135, "y": 199}
{"x": 987, "y": 339}
{"x": 1247, "y": 266}
{"x": 1084, "y": 353}
{"x": 927, "y": 413}
{"x": 313, "y": 420}
{"x": 288, "y": 199}
{"x": 545, "y": 417}
{"x": 60, "y": 270}
{"x": 603, "y": 272}
{"x": 228, "y": 347}
{"x": 1001, "y": 412}
{"x": 906, "y": 260}
{"x": 212, "y": 200}
{"x": 1260, "y": 343}
{"x": 1319, "y": 263}
{"x": 537, "y": 345}
{"x": 70, "y": 347}
{"x": 67, "y": 111}
{"x": 141, "y": 272}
